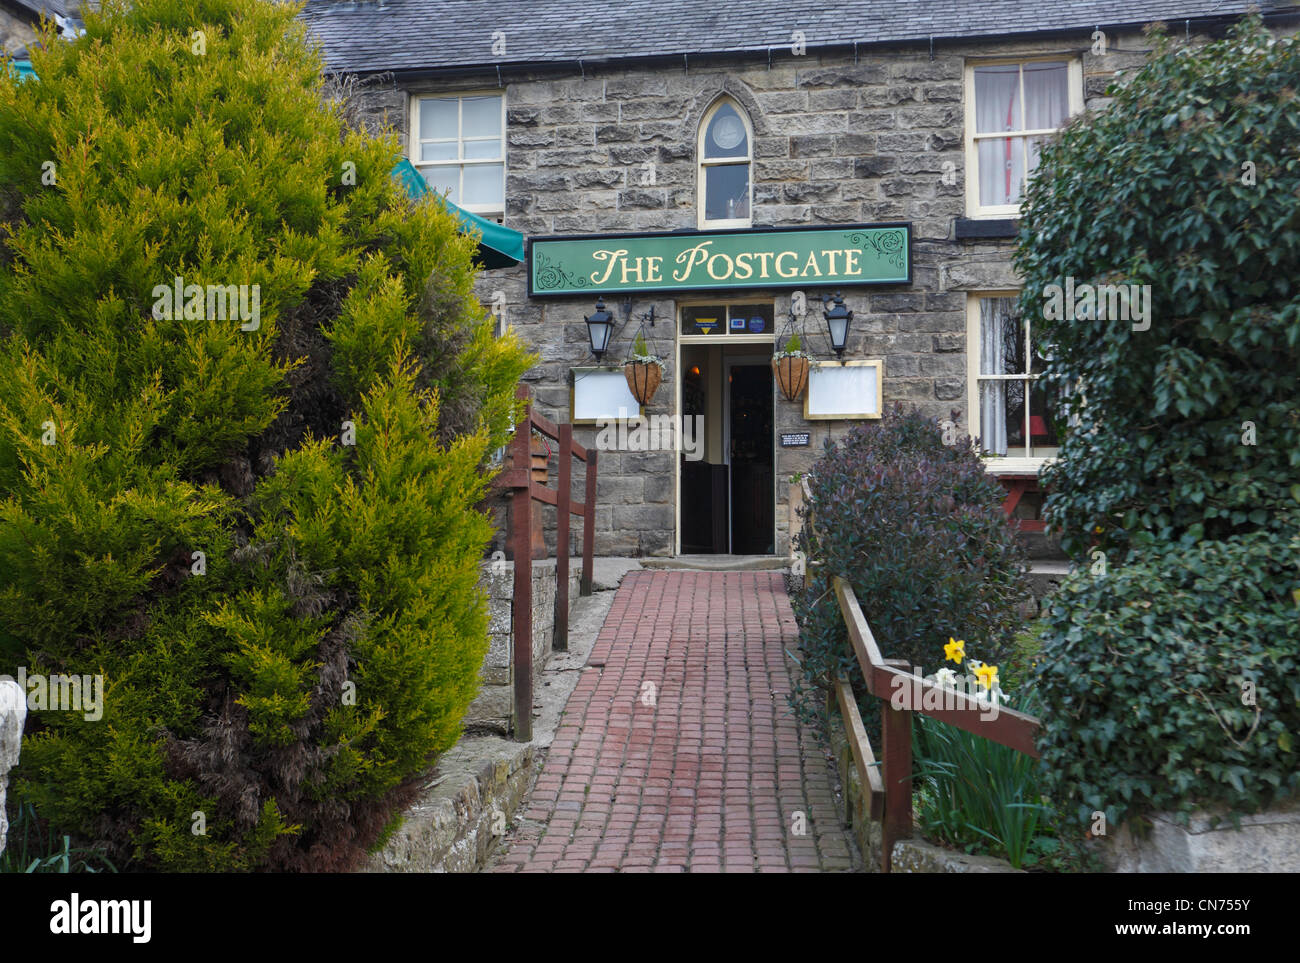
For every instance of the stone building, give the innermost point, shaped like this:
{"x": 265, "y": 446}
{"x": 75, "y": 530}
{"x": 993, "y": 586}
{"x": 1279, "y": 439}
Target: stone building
{"x": 875, "y": 152}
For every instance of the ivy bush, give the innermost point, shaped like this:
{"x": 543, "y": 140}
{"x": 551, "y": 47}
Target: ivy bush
{"x": 1187, "y": 182}
{"x": 916, "y": 527}
{"x": 1173, "y": 680}
{"x": 261, "y": 533}
{"x": 1175, "y": 488}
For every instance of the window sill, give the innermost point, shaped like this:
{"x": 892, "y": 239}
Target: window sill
{"x": 1016, "y": 466}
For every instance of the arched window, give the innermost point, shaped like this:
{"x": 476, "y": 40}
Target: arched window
{"x": 725, "y": 151}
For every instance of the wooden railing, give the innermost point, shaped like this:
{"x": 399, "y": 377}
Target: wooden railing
{"x": 887, "y": 794}
{"x": 519, "y": 480}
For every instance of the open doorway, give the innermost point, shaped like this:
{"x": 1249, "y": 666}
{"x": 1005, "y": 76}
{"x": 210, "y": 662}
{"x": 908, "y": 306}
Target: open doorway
{"x": 750, "y": 456}
{"x": 727, "y": 485}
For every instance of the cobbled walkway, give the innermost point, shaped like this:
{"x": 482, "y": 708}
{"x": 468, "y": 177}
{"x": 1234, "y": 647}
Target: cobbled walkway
{"x": 677, "y": 751}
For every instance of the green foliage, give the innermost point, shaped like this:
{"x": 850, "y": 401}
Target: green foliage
{"x": 916, "y": 528}
{"x": 291, "y": 691}
{"x": 33, "y": 848}
{"x": 1149, "y": 673}
{"x": 1175, "y": 490}
{"x": 975, "y": 790}
{"x": 794, "y": 344}
{"x": 1152, "y": 191}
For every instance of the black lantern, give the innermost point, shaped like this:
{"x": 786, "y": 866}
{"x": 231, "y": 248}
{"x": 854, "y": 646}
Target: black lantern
{"x": 599, "y": 326}
{"x": 837, "y": 321}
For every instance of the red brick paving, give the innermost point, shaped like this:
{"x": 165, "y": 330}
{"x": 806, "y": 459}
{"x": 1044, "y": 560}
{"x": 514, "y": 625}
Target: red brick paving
{"x": 677, "y": 751}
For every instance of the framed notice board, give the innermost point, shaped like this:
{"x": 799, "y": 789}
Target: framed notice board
{"x": 853, "y": 389}
{"x": 600, "y": 394}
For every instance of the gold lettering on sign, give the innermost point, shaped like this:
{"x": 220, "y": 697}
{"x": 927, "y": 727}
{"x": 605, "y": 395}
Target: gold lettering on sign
{"x": 692, "y": 256}
{"x": 781, "y": 257}
{"x": 613, "y": 257}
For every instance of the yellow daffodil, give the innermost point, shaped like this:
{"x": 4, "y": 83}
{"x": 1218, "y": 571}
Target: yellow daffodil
{"x": 987, "y": 675}
{"x": 955, "y": 650}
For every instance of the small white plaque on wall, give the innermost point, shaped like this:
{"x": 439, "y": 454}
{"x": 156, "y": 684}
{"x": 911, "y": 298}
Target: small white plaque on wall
{"x": 853, "y": 389}
{"x": 600, "y": 394}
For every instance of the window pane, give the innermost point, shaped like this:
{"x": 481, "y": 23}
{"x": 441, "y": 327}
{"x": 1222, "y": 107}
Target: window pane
{"x": 1002, "y": 337}
{"x": 726, "y": 136}
{"x": 1047, "y": 95}
{"x": 726, "y": 192}
{"x": 438, "y": 150}
{"x": 443, "y": 180}
{"x": 997, "y": 98}
{"x": 485, "y": 184}
{"x": 1002, "y": 417}
{"x": 1001, "y": 170}
{"x": 481, "y": 117}
{"x": 1032, "y": 145}
{"x": 704, "y": 319}
{"x": 482, "y": 149}
{"x": 750, "y": 319}
{"x": 437, "y": 117}
{"x": 1044, "y": 407}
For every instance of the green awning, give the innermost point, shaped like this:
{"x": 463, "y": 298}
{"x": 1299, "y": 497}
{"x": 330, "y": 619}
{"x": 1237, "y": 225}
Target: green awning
{"x": 24, "y": 68}
{"x": 498, "y": 245}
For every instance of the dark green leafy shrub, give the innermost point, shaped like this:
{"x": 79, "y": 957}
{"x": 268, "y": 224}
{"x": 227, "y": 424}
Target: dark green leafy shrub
{"x": 290, "y": 683}
{"x": 1176, "y": 486}
{"x": 1172, "y": 681}
{"x": 917, "y": 528}
{"x": 1187, "y": 182}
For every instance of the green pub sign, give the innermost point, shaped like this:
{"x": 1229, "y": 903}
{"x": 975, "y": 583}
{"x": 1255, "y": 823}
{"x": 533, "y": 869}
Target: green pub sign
{"x": 725, "y": 260}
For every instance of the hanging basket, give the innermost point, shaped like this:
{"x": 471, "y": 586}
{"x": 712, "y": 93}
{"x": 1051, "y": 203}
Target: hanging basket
{"x": 791, "y": 374}
{"x": 643, "y": 379}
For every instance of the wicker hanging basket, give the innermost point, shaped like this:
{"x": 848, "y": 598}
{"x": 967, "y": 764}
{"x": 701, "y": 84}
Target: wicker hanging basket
{"x": 643, "y": 379}
{"x": 791, "y": 373}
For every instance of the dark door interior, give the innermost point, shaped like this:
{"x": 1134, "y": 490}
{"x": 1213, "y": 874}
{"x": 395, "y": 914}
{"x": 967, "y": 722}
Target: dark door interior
{"x": 752, "y": 522}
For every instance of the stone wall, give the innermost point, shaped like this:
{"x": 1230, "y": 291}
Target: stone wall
{"x": 836, "y": 141}
{"x": 493, "y": 709}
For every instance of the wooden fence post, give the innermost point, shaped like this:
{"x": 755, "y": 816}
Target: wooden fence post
{"x": 589, "y": 522}
{"x": 563, "y": 502}
{"x": 521, "y": 535}
{"x": 897, "y": 736}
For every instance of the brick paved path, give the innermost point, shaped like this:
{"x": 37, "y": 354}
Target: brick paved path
{"x": 677, "y": 751}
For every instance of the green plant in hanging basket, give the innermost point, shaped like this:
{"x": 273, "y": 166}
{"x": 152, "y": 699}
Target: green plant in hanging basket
{"x": 790, "y": 367}
{"x": 644, "y": 371}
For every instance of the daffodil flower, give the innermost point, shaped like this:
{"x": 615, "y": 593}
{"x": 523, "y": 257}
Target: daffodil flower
{"x": 955, "y": 650}
{"x": 946, "y": 678}
{"x": 987, "y": 675}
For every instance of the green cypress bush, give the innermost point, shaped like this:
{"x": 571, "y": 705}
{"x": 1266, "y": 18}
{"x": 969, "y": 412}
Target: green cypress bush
{"x": 259, "y": 526}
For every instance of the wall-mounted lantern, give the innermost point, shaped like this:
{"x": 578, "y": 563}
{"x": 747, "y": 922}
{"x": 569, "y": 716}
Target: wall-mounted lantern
{"x": 599, "y": 327}
{"x": 837, "y": 322}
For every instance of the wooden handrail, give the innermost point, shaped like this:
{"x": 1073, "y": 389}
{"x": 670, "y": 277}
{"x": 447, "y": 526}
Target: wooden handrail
{"x": 518, "y": 479}
{"x": 904, "y": 692}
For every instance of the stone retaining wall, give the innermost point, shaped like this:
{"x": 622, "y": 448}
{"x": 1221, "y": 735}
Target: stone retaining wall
{"x": 493, "y": 710}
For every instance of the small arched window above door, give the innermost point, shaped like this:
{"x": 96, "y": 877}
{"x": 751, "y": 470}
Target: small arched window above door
{"x": 725, "y": 153}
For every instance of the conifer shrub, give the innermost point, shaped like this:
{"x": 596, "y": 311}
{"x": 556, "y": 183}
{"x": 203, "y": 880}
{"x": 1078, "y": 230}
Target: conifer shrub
{"x": 916, "y": 527}
{"x": 257, "y": 524}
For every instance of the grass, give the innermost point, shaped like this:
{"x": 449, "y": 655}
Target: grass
{"x": 33, "y": 847}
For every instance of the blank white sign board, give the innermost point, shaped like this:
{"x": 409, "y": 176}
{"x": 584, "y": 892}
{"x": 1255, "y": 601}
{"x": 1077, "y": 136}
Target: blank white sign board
{"x": 849, "y": 390}
{"x": 602, "y": 394}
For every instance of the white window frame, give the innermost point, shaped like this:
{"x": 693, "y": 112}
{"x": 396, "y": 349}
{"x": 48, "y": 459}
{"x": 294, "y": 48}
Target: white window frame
{"x": 414, "y": 141}
{"x": 1012, "y": 464}
{"x": 1075, "y": 82}
{"x": 701, "y": 164}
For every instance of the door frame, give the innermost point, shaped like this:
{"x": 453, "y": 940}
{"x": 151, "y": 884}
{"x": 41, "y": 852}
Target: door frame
{"x": 766, "y": 338}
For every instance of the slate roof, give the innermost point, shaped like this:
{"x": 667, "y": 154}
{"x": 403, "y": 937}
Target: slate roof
{"x": 416, "y": 35}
